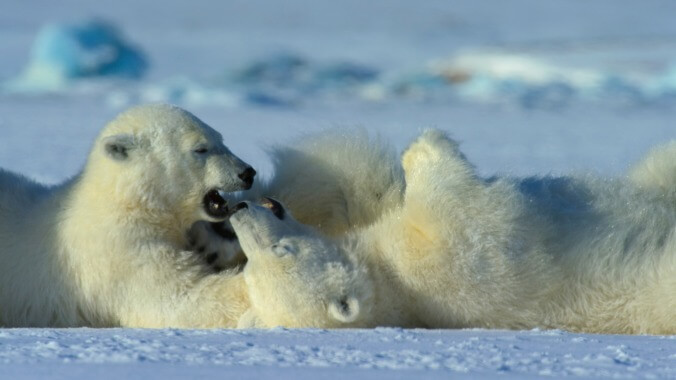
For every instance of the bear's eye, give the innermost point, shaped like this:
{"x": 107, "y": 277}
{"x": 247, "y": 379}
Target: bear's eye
{"x": 201, "y": 150}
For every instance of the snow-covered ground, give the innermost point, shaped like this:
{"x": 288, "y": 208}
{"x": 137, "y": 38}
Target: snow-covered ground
{"x": 528, "y": 86}
{"x": 306, "y": 353}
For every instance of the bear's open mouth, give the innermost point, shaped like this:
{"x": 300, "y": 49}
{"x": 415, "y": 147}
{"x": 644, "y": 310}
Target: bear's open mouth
{"x": 215, "y": 205}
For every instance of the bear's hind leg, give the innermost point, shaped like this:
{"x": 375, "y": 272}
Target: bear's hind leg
{"x": 433, "y": 164}
{"x": 441, "y": 187}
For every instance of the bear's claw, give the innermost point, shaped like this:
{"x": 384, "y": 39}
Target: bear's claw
{"x": 219, "y": 240}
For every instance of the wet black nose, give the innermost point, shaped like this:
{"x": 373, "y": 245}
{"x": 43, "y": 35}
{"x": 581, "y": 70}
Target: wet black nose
{"x": 239, "y": 206}
{"x": 247, "y": 176}
{"x": 274, "y": 206}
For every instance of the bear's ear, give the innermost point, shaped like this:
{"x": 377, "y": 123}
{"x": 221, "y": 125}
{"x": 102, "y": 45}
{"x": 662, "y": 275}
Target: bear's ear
{"x": 283, "y": 248}
{"x": 118, "y": 147}
{"x": 344, "y": 309}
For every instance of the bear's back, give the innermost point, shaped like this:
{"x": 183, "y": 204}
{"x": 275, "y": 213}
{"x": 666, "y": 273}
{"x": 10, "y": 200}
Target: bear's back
{"x": 17, "y": 194}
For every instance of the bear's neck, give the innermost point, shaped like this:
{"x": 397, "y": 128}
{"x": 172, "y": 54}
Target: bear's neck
{"x": 107, "y": 209}
{"x": 391, "y": 306}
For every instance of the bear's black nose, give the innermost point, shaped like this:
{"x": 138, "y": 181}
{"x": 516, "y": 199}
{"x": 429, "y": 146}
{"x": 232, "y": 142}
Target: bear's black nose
{"x": 247, "y": 176}
{"x": 274, "y": 206}
{"x": 239, "y": 206}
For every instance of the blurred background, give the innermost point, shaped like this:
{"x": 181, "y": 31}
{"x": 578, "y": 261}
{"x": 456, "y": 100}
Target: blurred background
{"x": 528, "y": 86}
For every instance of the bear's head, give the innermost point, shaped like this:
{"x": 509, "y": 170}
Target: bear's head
{"x": 295, "y": 276}
{"x": 164, "y": 161}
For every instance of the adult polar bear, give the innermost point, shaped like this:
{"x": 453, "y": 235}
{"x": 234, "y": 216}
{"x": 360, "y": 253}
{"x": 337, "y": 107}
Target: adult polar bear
{"x": 577, "y": 253}
{"x": 106, "y": 248}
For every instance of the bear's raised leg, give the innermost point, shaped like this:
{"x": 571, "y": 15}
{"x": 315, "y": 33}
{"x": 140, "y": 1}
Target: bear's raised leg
{"x": 435, "y": 168}
{"x": 450, "y": 226}
{"x": 441, "y": 187}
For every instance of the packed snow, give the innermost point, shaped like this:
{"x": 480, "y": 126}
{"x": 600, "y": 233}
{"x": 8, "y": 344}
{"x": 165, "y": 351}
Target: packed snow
{"x": 528, "y": 87}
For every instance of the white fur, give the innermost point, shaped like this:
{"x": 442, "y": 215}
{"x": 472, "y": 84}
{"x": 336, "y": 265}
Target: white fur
{"x": 657, "y": 171}
{"x": 336, "y": 180}
{"x": 578, "y": 253}
{"x": 106, "y": 248}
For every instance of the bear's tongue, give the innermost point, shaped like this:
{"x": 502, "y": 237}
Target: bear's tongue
{"x": 215, "y": 205}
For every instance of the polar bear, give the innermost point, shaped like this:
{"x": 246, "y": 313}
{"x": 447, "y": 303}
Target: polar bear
{"x": 579, "y": 253}
{"x": 106, "y": 248}
{"x": 334, "y": 181}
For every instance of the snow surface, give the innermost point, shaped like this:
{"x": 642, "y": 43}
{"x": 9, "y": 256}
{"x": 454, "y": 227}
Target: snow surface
{"x": 378, "y": 353}
{"x": 528, "y": 87}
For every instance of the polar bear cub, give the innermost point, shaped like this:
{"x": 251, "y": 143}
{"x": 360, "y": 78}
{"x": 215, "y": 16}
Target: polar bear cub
{"x": 106, "y": 248}
{"x": 577, "y": 253}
